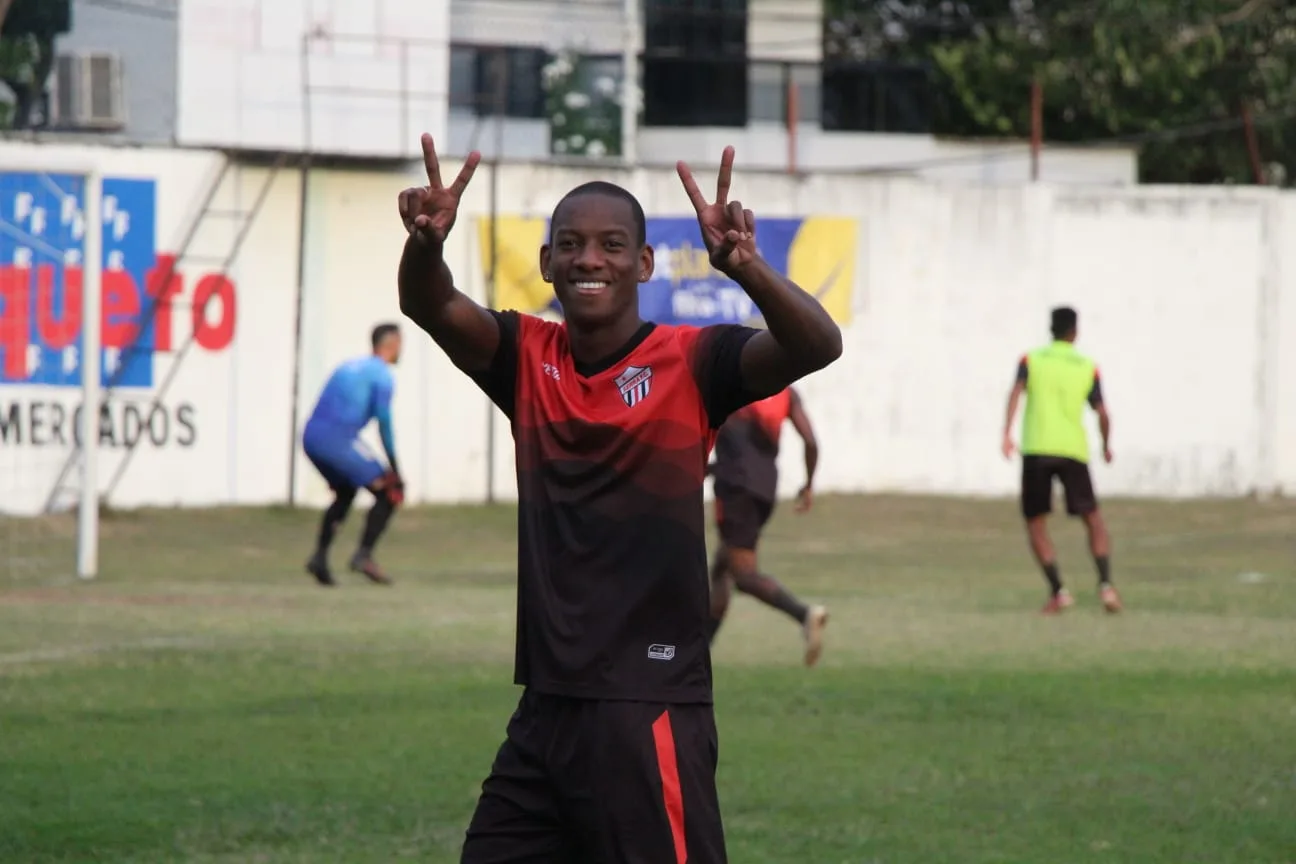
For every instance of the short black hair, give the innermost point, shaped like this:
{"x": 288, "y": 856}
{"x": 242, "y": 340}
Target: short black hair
{"x": 612, "y": 190}
{"x": 381, "y": 332}
{"x": 1063, "y": 321}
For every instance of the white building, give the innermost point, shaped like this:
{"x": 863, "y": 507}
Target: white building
{"x": 360, "y": 79}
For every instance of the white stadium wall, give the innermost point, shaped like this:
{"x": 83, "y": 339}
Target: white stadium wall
{"x": 1187, "y": 300}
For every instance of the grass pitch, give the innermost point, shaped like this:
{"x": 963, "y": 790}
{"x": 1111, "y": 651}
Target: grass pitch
{"x": 205, "y": 702}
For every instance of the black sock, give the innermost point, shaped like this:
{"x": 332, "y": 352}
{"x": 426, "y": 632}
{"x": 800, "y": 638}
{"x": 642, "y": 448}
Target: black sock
{"x": 1104, "y": 569}
{"x": 1051, "y": 574}
{"x": 375, "y": 524}
{"x": 768, "y": 590}
{"x": 334, "y": 516}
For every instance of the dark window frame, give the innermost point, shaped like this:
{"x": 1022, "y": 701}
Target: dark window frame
{"x": 694, "y": 66}
{"x": 524, "y": 97}
{"x": 876, "y": 96}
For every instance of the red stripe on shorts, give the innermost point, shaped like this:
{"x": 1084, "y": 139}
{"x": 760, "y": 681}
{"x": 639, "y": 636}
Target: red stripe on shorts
{"x": 664, "y": 738}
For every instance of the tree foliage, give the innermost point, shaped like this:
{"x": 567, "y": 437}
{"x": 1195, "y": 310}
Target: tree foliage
{"x": 1173, "y": 75}
{"x": 27, "y": 33}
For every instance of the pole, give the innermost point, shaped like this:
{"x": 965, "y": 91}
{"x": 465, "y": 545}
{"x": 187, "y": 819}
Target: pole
{"x": 303, "y": 201}
{"x": 404, "y": 93}
{"x": 305, "y": 94}
{"x": 91, "y": 303}
{"x": 1253, "y": 145}
{"x": 501, "y": 94}
{"x": 792, "y": 117}
{"x": 1037, "y": 127}
{"x": 630, "y": 83}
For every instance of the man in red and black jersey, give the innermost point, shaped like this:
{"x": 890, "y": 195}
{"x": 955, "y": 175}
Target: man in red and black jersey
{"x": 746, "y": 483}
{"x": 611, "y": 753}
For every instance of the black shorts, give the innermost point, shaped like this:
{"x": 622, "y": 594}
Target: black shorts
{"x": 604, "y": 782}
{"x": 740, "y": 517}
{"x": 1038, "y": 473}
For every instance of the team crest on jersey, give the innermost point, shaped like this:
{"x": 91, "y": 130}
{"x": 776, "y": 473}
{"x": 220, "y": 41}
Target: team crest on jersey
{"x": 634, "y": 383}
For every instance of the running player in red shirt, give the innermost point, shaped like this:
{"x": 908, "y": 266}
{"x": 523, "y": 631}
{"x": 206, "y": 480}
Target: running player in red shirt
{"x": 611, "y": 753}
{"x": 746, "y": 480}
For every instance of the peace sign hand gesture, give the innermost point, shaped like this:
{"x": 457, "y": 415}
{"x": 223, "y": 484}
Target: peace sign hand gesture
{"x": 429, "y": 212}
{"x": 728, "y": 230}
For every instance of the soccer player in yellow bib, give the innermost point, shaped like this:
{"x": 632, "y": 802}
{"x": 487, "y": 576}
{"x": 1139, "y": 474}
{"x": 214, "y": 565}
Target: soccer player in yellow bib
{"x": 1058, "y": 382}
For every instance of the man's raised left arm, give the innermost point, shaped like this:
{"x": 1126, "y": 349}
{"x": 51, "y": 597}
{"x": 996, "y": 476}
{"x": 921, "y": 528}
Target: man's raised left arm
{"x": 801, "y": 337}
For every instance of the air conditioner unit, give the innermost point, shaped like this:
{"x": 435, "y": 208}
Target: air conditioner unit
{"x": 88, "y": 92}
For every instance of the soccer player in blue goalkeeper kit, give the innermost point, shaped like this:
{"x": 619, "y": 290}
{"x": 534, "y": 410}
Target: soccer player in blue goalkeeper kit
{"x": 358, "y": 391}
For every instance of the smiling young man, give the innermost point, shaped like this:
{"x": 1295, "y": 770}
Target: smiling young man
{"x": 611, "y": 754}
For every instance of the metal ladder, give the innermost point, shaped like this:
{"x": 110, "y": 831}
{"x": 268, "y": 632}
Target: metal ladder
{"x": 227, "y": 178}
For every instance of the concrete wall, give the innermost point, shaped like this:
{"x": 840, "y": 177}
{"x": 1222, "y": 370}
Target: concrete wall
{"x": 593, "y": 26}
{"x": 764, "y": 146}
{"x": 372, "y": 80}
{"x": 144, "y": 37}
{"x": 1187, "y": 300}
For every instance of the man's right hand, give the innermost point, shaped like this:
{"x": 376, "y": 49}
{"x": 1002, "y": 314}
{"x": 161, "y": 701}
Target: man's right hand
{"x": 1008, "y": 447}
{"x": 429, "y": 212}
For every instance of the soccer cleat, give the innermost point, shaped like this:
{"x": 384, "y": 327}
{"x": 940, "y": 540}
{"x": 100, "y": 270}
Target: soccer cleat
{"x": 361, "y": 563}
{"x": 318, "y": 567}
{"x": 1059, "y": 601}
{"x": 813, "y": 628}
{"x": 1110, "y": 599}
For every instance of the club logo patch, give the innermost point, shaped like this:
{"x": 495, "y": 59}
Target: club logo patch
{"x": 635, "y": 383}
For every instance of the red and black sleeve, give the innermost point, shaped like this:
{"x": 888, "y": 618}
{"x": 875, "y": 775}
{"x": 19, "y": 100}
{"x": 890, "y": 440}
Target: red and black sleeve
{"x": 499, "y": 382}
{"x": 1022, "y": 371}
{"x": 716, "y": 363}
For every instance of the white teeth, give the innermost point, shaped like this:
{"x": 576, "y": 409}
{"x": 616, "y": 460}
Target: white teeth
{"x": 590, "y": 286}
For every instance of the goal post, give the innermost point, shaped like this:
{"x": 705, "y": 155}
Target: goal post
{"x": 51, "y": 247}
{"x": 91, "y": 303}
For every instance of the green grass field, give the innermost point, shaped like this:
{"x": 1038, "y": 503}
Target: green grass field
{"x": 205, "y": 702}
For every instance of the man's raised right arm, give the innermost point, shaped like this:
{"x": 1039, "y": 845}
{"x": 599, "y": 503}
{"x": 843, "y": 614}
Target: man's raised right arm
{"x": 468, "y": 333}
{"x": 465, "y": 331}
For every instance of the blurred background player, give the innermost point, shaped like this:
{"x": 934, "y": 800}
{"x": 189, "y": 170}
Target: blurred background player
{"x": 358, "y": 391}
{"x": 746, "y": 480}
{"x": 1058, "y": 381}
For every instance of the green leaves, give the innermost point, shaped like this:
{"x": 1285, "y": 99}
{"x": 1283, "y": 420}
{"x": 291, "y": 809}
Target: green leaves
{"x": 1109, "y": 69}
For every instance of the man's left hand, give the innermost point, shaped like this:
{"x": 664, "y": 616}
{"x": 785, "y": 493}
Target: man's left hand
{"x": 728, "y": 230}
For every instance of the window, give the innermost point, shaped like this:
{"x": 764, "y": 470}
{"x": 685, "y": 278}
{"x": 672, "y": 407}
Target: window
{"x": 876, "y": 97}
{"x": 695, "y": 63}
{"x": 806, "y": 77}
{"x": 768, "y": 93}
{"x": 770, "y": 81}
{"x": 682, "y": 92}
{"x": 484, "y": 78}
{"x": 695, "y": 28}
